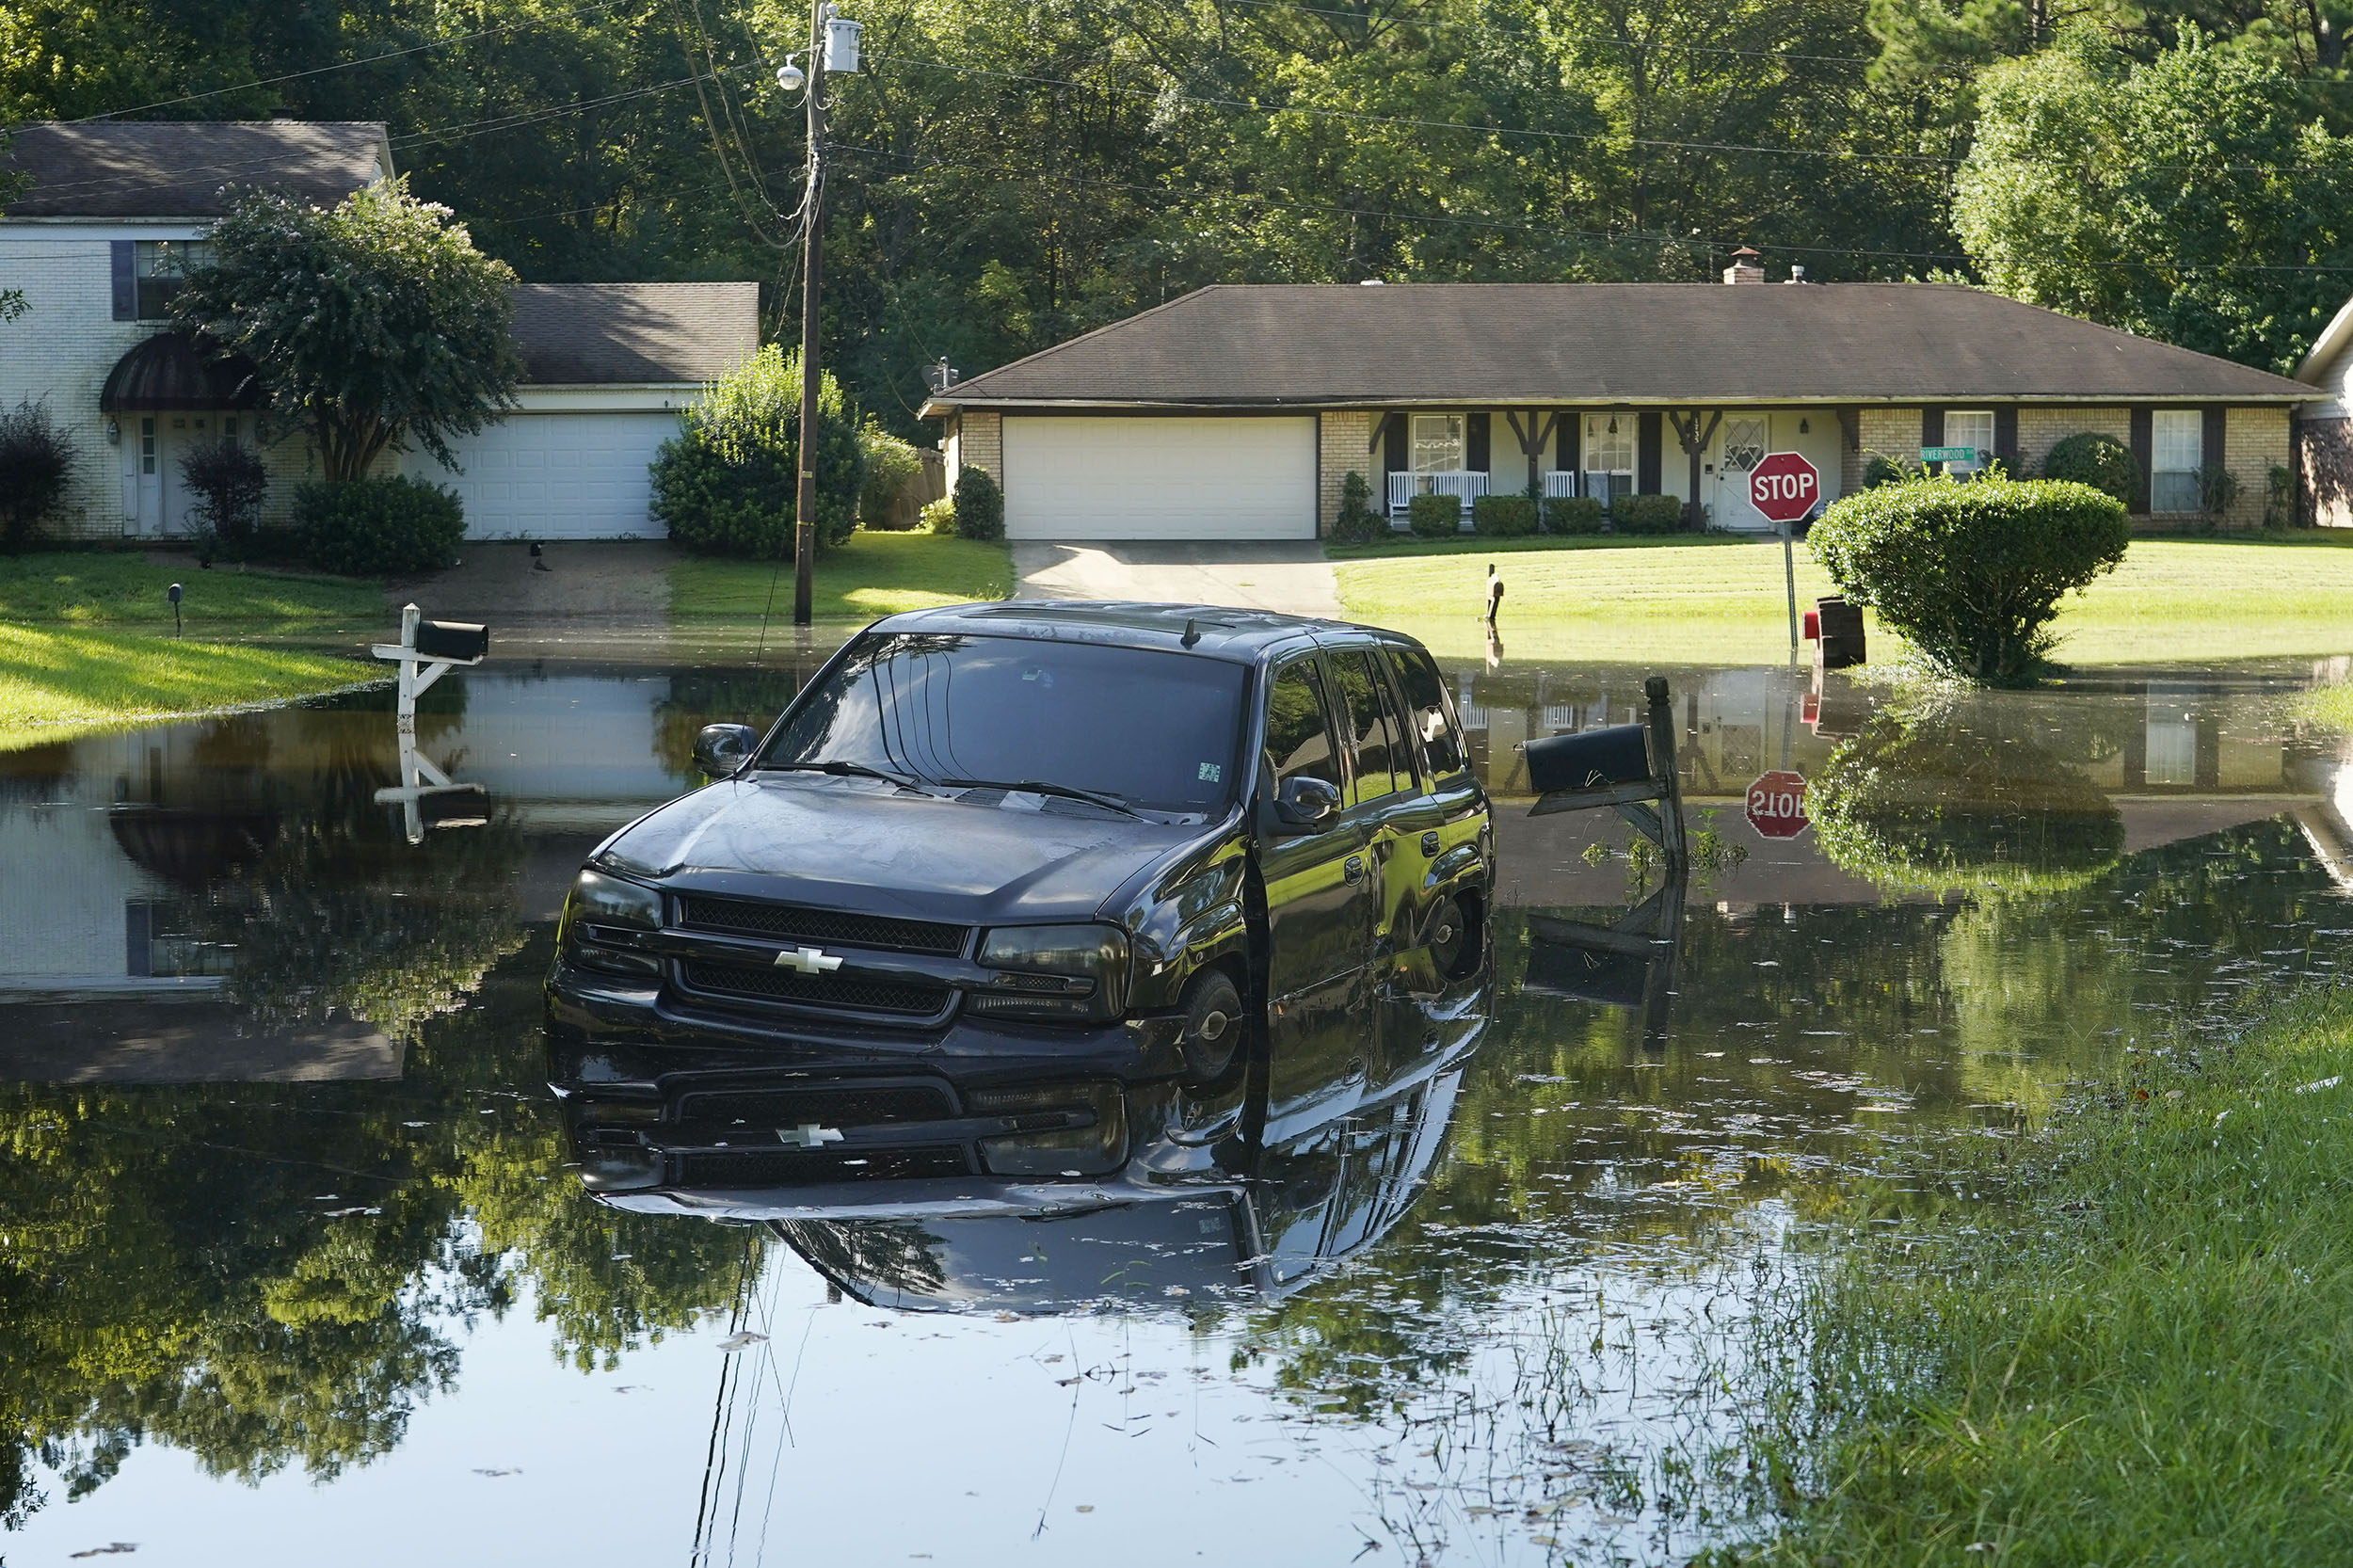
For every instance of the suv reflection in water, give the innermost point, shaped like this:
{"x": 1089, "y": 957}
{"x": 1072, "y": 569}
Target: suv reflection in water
{"x": 941, "y": 1199}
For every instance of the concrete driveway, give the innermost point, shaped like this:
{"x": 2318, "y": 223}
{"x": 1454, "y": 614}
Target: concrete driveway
{"x": 1292, "y": 578}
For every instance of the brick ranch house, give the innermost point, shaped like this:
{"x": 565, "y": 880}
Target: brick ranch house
{"x": 1236, "y": 411}
{"x": 113, "y": 213}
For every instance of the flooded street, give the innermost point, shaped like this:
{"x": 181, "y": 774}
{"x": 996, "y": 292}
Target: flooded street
{"x": 297, "y": 1262}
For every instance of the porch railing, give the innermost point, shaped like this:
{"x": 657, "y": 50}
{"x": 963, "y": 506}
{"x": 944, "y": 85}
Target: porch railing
{"x": 1559, "y": 483}
{"x": 1464, "y": 485}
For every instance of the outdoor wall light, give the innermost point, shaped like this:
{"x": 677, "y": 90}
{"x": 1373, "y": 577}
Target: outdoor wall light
{"x": 1613, "y": 424}
{"x": 1805, "y": 428}
{"x": 114, "y": 432}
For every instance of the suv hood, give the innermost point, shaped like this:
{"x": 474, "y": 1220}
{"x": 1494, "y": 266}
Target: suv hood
{"x": 863, "y": 845}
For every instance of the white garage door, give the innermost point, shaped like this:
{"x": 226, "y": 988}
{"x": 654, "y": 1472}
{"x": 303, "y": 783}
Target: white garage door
{"x": 1100, "y": 477}
{"x": 556, "y": 475}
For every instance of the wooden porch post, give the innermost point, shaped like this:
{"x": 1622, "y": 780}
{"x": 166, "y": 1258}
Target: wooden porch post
{"x": 1534, "y": 434}
{"x": 1694, "y": 442}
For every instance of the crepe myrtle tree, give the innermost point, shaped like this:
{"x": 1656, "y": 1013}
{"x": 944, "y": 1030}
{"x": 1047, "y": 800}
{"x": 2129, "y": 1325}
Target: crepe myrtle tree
{"x": 376, "y": 324}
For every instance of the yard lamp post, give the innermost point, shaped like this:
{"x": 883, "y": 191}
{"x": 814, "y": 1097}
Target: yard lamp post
{"x": 833, "y": 45}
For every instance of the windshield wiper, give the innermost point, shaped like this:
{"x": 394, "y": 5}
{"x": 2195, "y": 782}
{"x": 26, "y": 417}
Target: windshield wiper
{"x": 851, "y": 770}
{"x": 1037, "y": 787}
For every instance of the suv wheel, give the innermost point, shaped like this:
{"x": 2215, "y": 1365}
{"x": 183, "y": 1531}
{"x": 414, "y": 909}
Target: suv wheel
{"x": 1213, "y": 1025}
{"x": 1449, "y": 936}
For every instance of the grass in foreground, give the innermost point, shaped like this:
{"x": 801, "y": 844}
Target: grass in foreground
{"x": 93, "y": 588}
{"x": 2188, "y": 599}
{"x": 2332, "y": 706}
{"x": 2147, "y": 1359}
{"x": 54, "y": 684}
{"x": 869, "y": 575}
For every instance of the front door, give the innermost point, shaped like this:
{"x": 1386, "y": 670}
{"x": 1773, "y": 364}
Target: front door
{"x": 156, "y": 500}
{"x": 1319, "y": 891}
{"x": 1746, "y": 440}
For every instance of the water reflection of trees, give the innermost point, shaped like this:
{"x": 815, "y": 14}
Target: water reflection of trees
{"x": 697, "y": 697}
{"x": 178, "y": 1271}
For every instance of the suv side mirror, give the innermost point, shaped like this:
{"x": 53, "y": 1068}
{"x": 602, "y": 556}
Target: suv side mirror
{"x": 1306, "y": 803}
{"x": 722, "y": 748}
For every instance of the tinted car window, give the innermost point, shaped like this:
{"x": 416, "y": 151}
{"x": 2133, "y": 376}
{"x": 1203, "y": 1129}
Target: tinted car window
{"x": 1380, "y": 768}
{"x": 1157, "y": 729}
{"x": 1425, "y": 704}
{"x": 1298, "y": 742}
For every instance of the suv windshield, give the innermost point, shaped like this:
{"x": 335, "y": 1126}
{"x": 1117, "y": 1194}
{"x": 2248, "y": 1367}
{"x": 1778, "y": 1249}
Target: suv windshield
{"x": 1156, "y": 731}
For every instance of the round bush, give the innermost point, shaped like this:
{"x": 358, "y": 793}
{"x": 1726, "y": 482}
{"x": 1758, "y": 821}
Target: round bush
{"x": 1357, "y": 523}
{"x": 2100, "y": 461}
{"x": 1572, "y": 514}
{"x": 1971, "y": 574}
{"x": 728, "y": 483}
{"x": 891, "y": 496}
{"x": 980, "y": 506}
{"x": 1503, "y": 517}
{"x": 37, "y": 464}
{"x": 377, "y": 526}
{"x": 1646, "y": 514}
{"x": 1435, "y": 517}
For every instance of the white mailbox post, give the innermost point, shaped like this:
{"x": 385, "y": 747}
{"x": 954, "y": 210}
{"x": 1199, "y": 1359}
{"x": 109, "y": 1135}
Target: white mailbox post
{"x": 427, "y": 649}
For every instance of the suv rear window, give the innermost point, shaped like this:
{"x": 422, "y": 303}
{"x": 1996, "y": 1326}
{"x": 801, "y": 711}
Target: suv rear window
{"x": 1425, "y": 701}
{"x": 1158, "y": 731}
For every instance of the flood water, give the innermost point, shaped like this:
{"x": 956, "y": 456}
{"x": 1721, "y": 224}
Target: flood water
{"x": 296, "y": 1266}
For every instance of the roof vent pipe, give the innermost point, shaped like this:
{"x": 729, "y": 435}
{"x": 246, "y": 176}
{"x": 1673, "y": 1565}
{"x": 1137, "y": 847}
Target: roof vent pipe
{"x": 1747, "y": 267}
{"x": 1370, "y": 283}
{"x": 1797, "y": 275}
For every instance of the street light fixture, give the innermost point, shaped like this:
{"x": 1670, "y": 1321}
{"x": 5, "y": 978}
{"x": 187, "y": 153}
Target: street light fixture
{"x": 833, "y": 45}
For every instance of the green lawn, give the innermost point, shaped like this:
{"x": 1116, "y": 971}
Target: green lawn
{"x": 91, "y": 588}
{"x": 54, "y": 683}
{"x": 2332, "y": 706}
{"x": 1711, "y": 599}
{"x": 869, "y": 576}
{"x": 2143, "y": 1356}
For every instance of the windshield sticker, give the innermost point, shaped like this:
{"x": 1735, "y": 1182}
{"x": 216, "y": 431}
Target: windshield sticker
{"x": 1043, "y": 676}
{"x": 1211, "y": 773}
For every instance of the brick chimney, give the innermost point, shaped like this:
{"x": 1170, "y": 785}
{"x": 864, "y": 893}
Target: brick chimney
{"x": 1747, "y": 267}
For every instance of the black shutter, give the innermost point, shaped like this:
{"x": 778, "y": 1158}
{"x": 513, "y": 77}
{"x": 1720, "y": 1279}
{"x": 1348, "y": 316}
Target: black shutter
{"x": 1646, "y": 441}
{"x": 2144, "y": 444}
{"x": 1392, "y": 450}
{"x": 1931, "y": 427}
{"x": 1568, "y": 439}
{"x": 1476, "y": 453}
{"x": 126, "y": 280}
{"x": 2210, "y": 436}
{"x": 2005, "y": 440}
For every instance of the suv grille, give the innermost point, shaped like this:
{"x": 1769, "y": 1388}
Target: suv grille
{"x": 781, "y": 1167}
{"x": 744, "y": 918}
{"x": 835, "y": 1105}
{"x": 832, "y": 991}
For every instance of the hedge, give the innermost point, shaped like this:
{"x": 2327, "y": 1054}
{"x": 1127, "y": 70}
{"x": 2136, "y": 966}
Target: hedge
{"x": 377, "y": 526}
{"x": 980, "y": 506}
{"x": 1646, "y": 514}
{"x": 1435, "y": 517}
{"x": 1357, "y": 523}
{"x": 1504, "y": 517}
{"x": 1971, "y": 574}
{"x": 1572, "y": 514}
{"x": 2100, "y": 461}
{"x": 728, "y": 481}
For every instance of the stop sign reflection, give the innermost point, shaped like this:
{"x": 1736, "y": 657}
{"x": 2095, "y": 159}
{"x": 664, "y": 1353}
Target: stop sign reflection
{"x": 1783, "y": 488}
{"x": 1777, "y": 805}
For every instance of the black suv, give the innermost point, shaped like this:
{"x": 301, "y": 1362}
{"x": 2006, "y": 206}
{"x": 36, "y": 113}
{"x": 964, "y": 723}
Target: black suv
{"x": 1085, "y": 841}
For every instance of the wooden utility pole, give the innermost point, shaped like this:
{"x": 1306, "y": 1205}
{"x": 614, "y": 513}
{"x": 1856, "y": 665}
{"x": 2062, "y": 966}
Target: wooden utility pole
{"x": 812, "y": 261}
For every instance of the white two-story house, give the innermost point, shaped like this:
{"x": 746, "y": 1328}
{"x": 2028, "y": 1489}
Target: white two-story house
{"x": 112, "y": 215}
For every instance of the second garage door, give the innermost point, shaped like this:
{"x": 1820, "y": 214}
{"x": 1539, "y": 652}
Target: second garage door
{"x": 556, "y": 475}
{"x": 1094, "y": 477}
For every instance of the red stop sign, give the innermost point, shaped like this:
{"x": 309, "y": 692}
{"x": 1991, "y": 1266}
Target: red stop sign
{"x": 1777, "y": 805}
{"x": 1784, "y": 487}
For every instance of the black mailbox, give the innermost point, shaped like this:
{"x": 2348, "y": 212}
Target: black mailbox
{"x": 1840, "y": 646}
{"x": 1586, "y": 974}
{"x": 452, "y": 639}
{"x": 1591, "y": 761}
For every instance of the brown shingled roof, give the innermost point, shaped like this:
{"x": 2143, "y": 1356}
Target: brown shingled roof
{"x": 587, "y": 334}
{"x": 1303, "y": 344}
{"x": 189, "y": 169}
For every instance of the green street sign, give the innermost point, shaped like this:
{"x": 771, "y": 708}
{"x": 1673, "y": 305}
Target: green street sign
{"x": 1949, "y": 454}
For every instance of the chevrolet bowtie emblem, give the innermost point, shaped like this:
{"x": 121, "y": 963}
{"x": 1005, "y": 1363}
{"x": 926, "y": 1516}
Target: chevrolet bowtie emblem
{"x": 807, "y": 960}
{"x": 808, "y": 1135}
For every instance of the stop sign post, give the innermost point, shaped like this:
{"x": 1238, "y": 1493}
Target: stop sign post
{"x": 1784, "y": 487}
{"x": 1776, "y": 806}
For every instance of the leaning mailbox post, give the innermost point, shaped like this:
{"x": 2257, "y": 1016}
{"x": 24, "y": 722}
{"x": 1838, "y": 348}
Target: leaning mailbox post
{"x": 427, "y": 651}
{"x": 1630, "y": 767}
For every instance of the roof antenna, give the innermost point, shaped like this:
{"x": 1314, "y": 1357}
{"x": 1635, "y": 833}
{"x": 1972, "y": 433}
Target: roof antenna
{"x": 1193, "y": 632}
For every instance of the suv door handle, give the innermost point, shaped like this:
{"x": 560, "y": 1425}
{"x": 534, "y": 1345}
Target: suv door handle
{"x": 1353, "y": 867}
{"x": 1429, "y": 846}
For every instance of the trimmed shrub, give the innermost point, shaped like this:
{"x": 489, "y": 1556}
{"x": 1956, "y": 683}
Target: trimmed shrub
{"x": 937, "y": 517}
{"x": 1971, "y": 574}
{"x": 2100, "y": 461}
{"x": 2279, "y": 496}
{"x": 1435, "y": 517}
{"x": 980, "y": 506}
{"x": 2218, "y": 490}
{"x": 1574, "y": 514}
{"x": 890, "y": 496}
{"x": 37, "y": 464}
{"x": 377, "y": 526}
{"x": 228, "y": 482}
{"x": 1357, "y": 523}
{"x": 1646, "y": 514}
{"x": 728, "y": 481}
{"x": 1503, "y": 517}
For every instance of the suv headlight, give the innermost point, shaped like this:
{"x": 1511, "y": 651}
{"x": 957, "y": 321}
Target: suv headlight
{"x": 605, "y": 919}
{"x": 1071, "y": 973}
